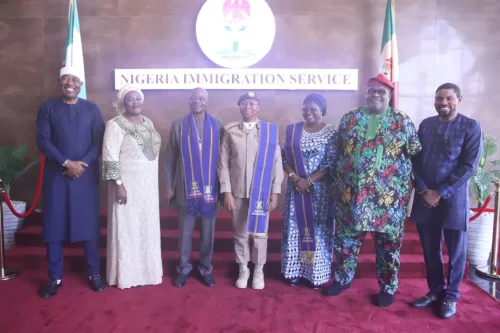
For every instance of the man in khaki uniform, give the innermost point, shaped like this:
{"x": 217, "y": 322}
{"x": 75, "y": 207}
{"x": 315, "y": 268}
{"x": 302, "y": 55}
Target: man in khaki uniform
{"x": 250, "y": 173}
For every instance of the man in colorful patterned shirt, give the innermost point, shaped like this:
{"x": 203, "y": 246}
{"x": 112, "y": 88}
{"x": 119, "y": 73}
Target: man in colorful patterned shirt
{"x": 372, "y": 187}
{"x": 451, "y": 149}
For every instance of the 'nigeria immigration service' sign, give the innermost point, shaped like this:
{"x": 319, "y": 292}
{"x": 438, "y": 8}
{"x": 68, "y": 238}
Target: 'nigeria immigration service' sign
{"x": 236, "y": 35}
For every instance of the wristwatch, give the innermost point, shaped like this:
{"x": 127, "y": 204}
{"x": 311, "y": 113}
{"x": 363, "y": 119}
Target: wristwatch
{"x": 291, "y": 174}
{"x": 118, "y": 182}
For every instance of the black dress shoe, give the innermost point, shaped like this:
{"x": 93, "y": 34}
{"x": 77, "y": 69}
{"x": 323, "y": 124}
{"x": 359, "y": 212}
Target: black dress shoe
{"x": 208, "y": 280}
{"x": 448, "y": 309}
{"x": 425, "y": 301}
{"x": 335, "y": 289}
{"x": 180, "y": 281}
{"x": 385, "y": 299}
{"x": 50, "y": 289}
{"x": 294, "y": 282}
{"x": 96, "y": 283}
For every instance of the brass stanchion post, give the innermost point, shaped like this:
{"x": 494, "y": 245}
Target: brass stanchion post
{"x": 4, "y": 274}
{"x": 490, "y": 271}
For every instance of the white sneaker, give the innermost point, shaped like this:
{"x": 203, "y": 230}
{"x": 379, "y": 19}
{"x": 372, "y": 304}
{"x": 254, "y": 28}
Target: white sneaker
{"x": 258, "y": 279}
{"x": 242, "y": 281}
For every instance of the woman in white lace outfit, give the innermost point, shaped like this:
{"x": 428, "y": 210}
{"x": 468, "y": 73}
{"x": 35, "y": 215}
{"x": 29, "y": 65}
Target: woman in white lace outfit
{"x": 130, "y": 165}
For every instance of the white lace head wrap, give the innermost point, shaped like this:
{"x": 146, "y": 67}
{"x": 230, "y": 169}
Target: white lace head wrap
{"x": 120, "y": 109}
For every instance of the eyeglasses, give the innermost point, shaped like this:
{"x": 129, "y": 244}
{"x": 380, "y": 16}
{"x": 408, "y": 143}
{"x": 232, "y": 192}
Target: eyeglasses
{"x": 380, "y": 91}
{"x": 312, "y": 110}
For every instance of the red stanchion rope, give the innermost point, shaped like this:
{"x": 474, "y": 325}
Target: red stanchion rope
{"x": 483, "y": 209}
{"x": 37, "y": 194}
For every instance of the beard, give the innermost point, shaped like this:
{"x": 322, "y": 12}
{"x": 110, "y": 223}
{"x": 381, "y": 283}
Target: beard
{"x": 444, "y": 112}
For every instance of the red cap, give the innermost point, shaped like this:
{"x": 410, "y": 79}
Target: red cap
{"x": 382, "y": 79}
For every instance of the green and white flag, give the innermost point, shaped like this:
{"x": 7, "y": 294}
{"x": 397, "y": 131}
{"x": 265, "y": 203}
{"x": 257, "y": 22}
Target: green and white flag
{"x": 73, "y": 52}
{"x": 389, "y": 51}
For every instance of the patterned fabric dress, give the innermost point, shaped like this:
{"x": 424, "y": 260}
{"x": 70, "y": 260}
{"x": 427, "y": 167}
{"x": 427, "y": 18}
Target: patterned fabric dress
{"x": 318, "y": 150}
{"x": 373, "y": 186}
{"x": 130, "y": 153}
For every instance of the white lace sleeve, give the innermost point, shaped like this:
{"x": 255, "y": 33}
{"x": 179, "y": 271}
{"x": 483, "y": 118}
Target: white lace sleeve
{"x": 113, "y": 138}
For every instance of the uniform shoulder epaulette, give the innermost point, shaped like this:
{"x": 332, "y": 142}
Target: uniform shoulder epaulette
{"x": 231, "y": 125}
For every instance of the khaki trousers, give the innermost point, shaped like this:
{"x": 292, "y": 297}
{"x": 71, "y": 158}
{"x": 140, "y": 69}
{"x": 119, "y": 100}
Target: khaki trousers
{"x": 241, "y": 236}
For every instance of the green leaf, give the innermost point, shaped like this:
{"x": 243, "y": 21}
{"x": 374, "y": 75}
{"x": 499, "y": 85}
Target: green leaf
{"x": 19, "y": 153}
{"x": 23, "y": 171}
{"x": 490, "y": 146}
{"x": 7, "y": 187}
{"x": 495, "y": 174}
{"x": 476, "y": 192}
{"x": 12, "y": 164}
{"x": 483, "y": 179}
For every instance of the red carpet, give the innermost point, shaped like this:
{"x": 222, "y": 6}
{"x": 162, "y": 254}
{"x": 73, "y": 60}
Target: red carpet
{"x": 196, "y": 308}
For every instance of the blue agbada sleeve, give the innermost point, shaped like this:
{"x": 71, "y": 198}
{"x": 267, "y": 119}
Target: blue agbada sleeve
{"x": 44, "y": 136}
{"x": 97, "y": 137}
{"x": 471, "y": 154}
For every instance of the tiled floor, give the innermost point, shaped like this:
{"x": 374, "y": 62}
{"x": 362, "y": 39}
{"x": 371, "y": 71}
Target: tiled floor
{"x": 491, "y": 287}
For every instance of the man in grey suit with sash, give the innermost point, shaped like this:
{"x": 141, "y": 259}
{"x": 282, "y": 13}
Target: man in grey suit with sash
{"x": 191, "y": 182}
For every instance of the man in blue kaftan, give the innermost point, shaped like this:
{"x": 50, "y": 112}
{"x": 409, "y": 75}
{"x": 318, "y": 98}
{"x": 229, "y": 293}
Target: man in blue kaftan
{"x": 451, "y": 149}
{"x": 69, "y": 133}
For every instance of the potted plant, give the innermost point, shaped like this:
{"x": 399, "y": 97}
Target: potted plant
{"x": 12, "y": 166}
{"x": 480, "y": 232}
